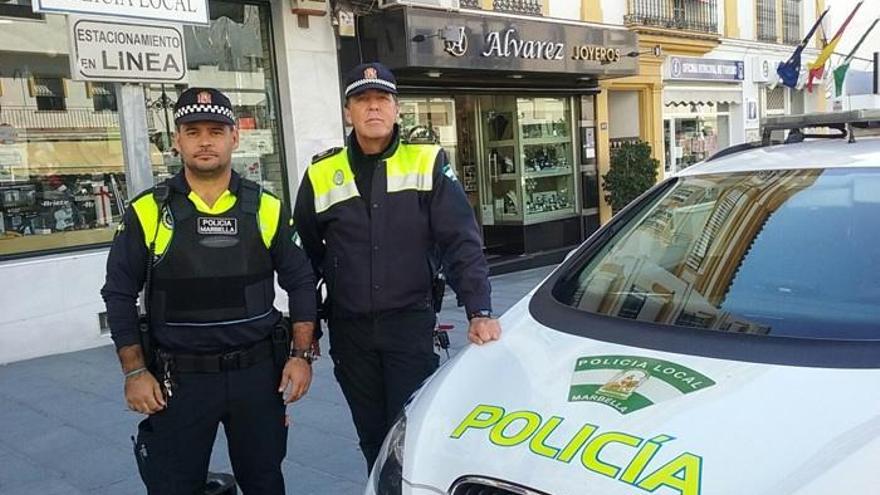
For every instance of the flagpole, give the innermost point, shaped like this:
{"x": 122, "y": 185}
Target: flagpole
{"x": 839, "y": 74}
{"x": 818, "y": 66}
{"x": 788, "y": 72}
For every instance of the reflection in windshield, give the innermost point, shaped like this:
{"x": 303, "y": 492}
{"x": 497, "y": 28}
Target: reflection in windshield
{"x": 791, "y": 252}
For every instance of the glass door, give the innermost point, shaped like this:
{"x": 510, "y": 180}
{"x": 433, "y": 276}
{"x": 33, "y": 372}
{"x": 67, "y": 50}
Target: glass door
{"x": 527, "y": 160}
{"x": 547, "y": 153}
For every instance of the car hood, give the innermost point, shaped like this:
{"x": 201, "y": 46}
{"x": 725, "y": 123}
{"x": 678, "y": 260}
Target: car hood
{"x": 564, "y": 414}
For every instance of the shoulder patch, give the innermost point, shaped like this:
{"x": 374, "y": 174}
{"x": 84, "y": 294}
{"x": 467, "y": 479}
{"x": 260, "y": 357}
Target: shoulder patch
{"x": 449, "y": 172}
{"x": 326, "y": 154}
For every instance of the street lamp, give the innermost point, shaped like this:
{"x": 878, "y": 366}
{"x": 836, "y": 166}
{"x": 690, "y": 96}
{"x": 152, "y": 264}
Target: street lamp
{"x": 163, "y": 103}
{"x": 655, "y": 50}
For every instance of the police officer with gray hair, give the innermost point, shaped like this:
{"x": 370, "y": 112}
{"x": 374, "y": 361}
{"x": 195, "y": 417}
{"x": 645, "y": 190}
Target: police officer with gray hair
{"x": 207, "y": 244}
{"x": 378, "y": 218}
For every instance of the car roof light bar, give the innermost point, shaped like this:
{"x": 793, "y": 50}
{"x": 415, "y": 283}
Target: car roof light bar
{"x": 833, "y": 120}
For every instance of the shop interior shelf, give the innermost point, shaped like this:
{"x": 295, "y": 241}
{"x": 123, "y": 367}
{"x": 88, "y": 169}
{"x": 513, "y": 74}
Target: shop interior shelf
{"x": 550, "y": 172}
{"x": 546, "y": 216}
{"x": 500, "y": 144}
{"x": 508, "y": 217}
{"x": 547, "y": 140}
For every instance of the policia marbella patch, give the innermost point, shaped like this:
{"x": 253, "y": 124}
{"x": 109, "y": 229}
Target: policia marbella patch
{"x": 630, "y": 383}
{"x": 218, "y": 226}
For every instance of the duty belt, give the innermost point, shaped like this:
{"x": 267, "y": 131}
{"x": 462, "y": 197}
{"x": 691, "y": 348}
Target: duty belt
{"x": 215, "y": 363}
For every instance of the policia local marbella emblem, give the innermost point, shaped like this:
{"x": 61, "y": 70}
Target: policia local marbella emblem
{"x": 630, "y": 383}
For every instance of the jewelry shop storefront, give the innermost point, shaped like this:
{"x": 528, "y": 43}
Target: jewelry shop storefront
{"x": 511, "y": 99}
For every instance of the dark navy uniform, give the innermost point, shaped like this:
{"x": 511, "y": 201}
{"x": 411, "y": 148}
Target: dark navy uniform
{"x": 213, "y": 321}
{"x": 376, "y": 229}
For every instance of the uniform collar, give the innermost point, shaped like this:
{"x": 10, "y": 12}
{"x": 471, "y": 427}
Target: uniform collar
{"x": 354, "y": 148}
{"x": 179, "y": 183}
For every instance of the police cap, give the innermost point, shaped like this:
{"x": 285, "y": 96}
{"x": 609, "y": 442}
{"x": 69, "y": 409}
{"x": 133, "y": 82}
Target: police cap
{"x": 203, "y": 104}
{"x": 371, "y": 75}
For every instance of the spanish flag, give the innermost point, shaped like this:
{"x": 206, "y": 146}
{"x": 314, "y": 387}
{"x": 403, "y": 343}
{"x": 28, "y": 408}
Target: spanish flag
{"x": 818, "y": 67}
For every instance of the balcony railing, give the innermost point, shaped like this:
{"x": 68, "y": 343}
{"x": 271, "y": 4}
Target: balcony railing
{"x": 471, "y": 4}
{"x": 690, "y": 15}
{"x": 528, "y": 7}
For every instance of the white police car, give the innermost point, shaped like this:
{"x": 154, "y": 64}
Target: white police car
{"x": 720, "y": 336}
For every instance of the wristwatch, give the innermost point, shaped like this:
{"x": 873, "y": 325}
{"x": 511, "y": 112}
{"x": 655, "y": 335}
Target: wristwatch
{"x": 306, "y": 354}
{"x": 482, "y": 313}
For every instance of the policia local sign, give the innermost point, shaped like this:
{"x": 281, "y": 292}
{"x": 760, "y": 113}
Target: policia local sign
{"x": 183, "y": 11}
{"x": 122, "y": 51}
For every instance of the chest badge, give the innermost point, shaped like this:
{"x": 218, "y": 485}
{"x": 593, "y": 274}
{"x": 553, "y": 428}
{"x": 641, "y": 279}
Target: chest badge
{"x": 218, "y": 226}
{"x": 338, "y": 178}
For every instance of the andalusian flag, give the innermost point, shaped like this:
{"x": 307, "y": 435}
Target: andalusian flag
{"x": 790, "y": 70}
{"x": 840, "y": 72}
{"x": 818, "y": 67}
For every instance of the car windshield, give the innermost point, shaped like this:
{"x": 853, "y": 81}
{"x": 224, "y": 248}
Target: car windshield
{"x": 791, "y": 253}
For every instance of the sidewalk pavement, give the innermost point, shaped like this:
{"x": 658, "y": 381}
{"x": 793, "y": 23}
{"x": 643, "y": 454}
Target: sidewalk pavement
{"x": 64, "y": 428}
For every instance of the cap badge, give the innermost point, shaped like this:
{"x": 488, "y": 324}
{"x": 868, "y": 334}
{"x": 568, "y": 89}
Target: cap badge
{"x": 370, "y": 73}
{"x": 204, "y": 98}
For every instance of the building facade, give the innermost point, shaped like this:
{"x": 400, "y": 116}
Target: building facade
{"x": 529, "y": 96}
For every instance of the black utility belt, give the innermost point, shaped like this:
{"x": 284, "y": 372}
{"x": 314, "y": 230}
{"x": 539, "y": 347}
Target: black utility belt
{"x": 216, "y": 363}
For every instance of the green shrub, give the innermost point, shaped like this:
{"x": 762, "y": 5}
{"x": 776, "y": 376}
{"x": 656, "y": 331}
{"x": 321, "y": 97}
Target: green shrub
{"x": 632, "y": 172}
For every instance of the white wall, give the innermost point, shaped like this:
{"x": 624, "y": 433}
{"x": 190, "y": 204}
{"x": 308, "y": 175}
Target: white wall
{"x": 623, "y": 117}
{"x": 613, "y": 11}
{"x": 308, "y": 78}
{"x": 50, "y": 305}
{"x": 565, "y": 9}
{"x": 746, "y": 10}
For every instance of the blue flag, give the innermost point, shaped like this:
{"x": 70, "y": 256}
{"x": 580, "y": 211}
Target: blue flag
{"x": 790, "y": 70}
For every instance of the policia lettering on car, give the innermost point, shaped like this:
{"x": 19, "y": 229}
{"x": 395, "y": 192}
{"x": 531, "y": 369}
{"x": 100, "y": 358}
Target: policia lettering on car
{"x": 682, "y": 473}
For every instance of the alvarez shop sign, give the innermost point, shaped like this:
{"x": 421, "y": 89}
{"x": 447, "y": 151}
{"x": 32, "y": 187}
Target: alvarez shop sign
{"x": 468, "y": 41}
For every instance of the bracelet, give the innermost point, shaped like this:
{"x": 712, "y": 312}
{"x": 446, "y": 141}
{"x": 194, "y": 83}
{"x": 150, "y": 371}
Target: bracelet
{"x": 135, "y": 372}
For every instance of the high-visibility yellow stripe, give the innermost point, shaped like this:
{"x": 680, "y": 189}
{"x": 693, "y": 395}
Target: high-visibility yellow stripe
{"x": 412, "y": 167}
{"x": 223, "y": 204}
{"x": 148, "y": 215}
{"x": 147, "y": 211}
{"x": 268, "y": 215}
{"x": 332, "y": 181}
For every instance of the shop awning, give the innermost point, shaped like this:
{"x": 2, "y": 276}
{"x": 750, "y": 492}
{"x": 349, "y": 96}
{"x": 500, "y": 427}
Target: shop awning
{"x": 701, "y": 95}
{"x": 75, "y": 157}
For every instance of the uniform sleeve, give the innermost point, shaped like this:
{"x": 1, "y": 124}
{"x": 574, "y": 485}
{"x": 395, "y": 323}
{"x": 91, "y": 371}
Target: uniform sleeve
{"x": 305, "y": 223}
{"x": 457, "y": 234}
{"x": 295, "y": 273}
{"x": 126, "y": 269}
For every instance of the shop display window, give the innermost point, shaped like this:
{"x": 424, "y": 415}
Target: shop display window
{"x": 694, "y": 136}
{"x": 529, "y": 159}
{"x": 62, "y": 170}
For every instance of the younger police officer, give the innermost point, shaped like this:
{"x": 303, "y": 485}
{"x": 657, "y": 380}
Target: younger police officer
{"x": 376, "y": 218}
{"x": 216, "y": 241}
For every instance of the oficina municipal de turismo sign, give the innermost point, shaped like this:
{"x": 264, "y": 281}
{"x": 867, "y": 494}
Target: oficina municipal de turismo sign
{"x": 182, "y": 11}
